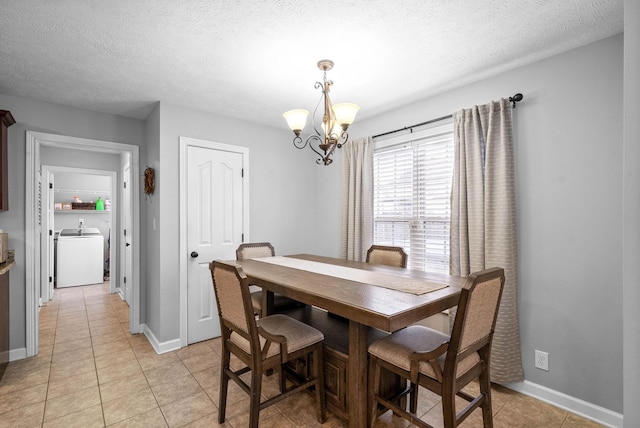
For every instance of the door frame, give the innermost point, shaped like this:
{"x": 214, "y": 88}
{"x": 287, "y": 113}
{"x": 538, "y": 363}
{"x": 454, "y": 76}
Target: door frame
{"x": 34, "y": 140}
{"x": 126, "y": 219}
{"x": 186, "y": 142}
{"x": 48, "y": 248}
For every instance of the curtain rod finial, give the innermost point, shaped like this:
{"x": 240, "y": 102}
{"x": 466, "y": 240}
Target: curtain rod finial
{"x": 515, "y": 99}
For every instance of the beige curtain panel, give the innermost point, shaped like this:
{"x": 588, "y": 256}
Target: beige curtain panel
{"x": 357, "y": 199}
{"x": 483, "y": 219}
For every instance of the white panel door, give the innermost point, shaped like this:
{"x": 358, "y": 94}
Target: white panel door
{"x": 214, "y": 230}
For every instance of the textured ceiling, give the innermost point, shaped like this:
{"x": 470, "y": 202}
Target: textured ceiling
{"x": 256, "y": 59}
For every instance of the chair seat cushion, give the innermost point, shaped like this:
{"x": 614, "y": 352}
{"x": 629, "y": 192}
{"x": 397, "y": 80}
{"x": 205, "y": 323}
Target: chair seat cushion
{"x": 298, "y": 335}
{"x": 397, "y": 348}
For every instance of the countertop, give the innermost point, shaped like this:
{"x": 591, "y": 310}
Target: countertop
{"x": 4, "y": 267}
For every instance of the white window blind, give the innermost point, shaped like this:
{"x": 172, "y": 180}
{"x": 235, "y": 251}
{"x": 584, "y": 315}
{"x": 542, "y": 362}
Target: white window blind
{"x": 412, "y": 189}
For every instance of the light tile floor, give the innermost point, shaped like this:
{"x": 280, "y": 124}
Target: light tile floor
{"x": 91, "y": 372}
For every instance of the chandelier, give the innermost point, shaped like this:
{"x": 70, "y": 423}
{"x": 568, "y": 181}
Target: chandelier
{"x": 335, "y": 121}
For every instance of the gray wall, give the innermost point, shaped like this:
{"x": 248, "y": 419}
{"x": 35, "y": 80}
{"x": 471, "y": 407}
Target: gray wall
{"x": 81, "y": 159}
{"x": 39, "y": 116}
{"x": 150, "y": 209}
{"x": 283, "y": 185}
{"x": 568, "y": 148}
{"x": 631, "y": 213}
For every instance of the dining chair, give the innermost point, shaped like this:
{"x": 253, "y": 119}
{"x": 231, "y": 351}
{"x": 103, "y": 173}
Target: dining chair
{"x": 441, "y": 363}
{"x": 258, "y": 298}
{"x": 387, "y": 255}
{"x": 267, "y": 343}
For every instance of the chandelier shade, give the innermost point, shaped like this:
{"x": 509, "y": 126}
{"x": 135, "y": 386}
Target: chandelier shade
{"x": 345, "y": 113}
{"x": 296, "y": 119}
{"x": 336, "y": 119}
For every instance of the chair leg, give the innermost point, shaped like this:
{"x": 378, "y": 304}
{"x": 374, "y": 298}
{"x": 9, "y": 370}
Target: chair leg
{"x": 224, "y": 383}
{"x": 256, "y": 390}
{"x": 374, "y": 389}
{"x": 319, "y": 375}
{"x": 485, "y": 388}
{"x": 413, "y": 398}
{"x": 282, "y": 380}
{"x": 448, "y": 407}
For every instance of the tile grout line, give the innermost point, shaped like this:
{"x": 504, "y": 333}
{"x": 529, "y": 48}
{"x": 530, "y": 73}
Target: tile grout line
{"x": 104, "y": 419}
{"x": 141, "y": 369}
{"x": 46, "y": 400}
{"x": 51, "y": 362}
{"x": 55, "y": 331}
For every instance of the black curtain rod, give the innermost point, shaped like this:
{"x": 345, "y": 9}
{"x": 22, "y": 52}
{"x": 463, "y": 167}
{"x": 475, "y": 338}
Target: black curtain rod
{"x": 513, "y": 100}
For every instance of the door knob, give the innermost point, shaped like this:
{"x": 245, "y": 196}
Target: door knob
{"x": 194, "y": 254}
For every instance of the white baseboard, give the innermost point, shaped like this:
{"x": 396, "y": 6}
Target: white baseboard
{"x": 17, "y": 354}
{"x": 572, "y": 404}
{"x": 160, "y": 347}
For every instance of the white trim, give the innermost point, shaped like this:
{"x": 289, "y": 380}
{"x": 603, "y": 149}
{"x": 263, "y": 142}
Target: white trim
{"x": 160, "y": 347}
{"x": 125, "y": 218}
{"x": 575, "y": 405}
{"x": 32, "y": 244}
{"x": 444, "y": 126}
{"x": 184, "y": 143}
{"x": 135, "y": 325}
{"x": 31, "y": 250}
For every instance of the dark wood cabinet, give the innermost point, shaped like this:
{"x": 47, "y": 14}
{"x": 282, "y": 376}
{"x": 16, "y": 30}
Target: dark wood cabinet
{"x": 336, "y": 358}
{"x": 335, "y": 381}
{"x": 6, "y": 120}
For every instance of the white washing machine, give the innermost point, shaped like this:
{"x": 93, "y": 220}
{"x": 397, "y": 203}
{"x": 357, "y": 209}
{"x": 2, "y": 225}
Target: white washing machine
{"x": 80, "y": 257}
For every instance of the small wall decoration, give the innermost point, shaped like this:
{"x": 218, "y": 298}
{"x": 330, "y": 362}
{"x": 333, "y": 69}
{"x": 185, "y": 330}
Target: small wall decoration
{"x": 149, "y": 181}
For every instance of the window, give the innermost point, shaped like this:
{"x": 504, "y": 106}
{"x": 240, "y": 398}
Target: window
{"x": 412, "y": 191}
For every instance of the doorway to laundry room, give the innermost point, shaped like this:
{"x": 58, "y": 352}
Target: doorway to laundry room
{"x": 81, "y": 218}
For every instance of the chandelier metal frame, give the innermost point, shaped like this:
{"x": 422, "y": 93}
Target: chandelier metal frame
{"x": 333, "y": 133}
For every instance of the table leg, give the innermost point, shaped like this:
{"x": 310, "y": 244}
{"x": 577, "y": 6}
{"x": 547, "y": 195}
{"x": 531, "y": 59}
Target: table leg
{"x": 357, "y": 394}
{"x": 267, "y": 303}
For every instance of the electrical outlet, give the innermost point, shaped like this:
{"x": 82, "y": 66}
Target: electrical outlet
{"x": 542, "y": 360}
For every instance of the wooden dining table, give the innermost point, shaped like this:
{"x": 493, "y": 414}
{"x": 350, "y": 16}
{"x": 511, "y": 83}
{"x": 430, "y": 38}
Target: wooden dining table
{"x": 362, "y": 304}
